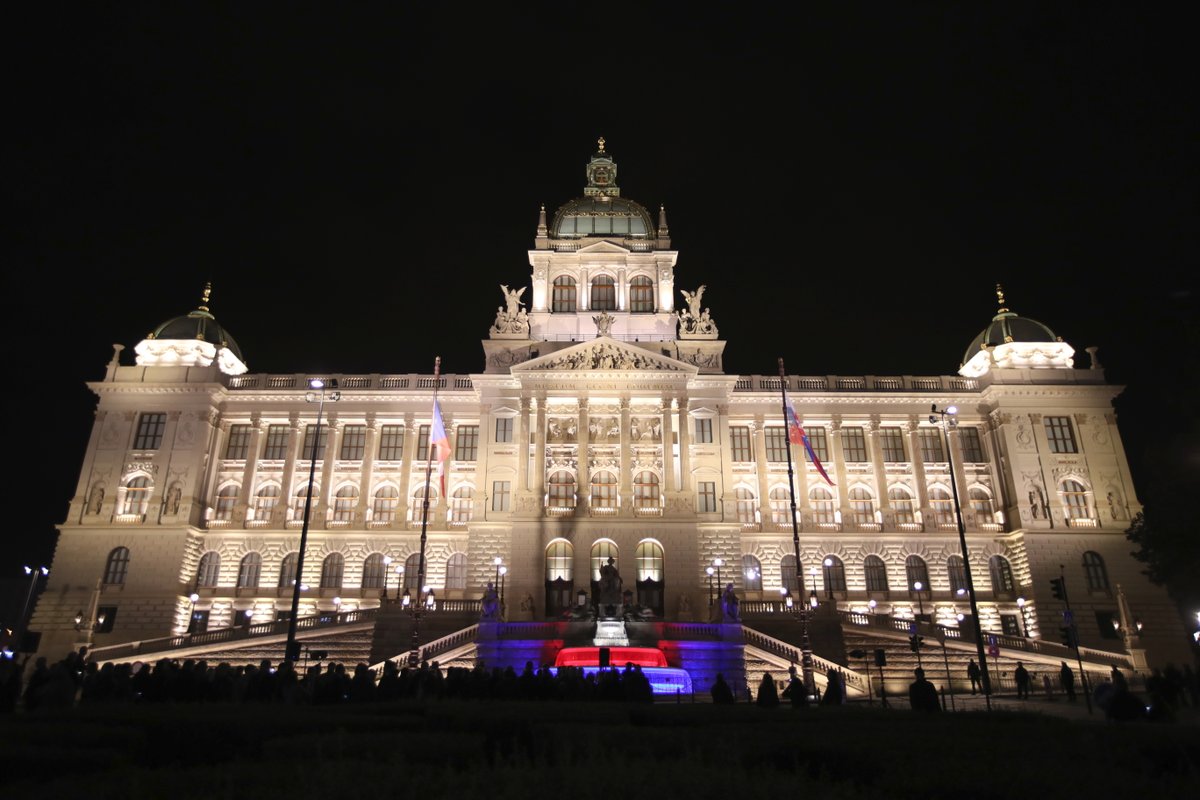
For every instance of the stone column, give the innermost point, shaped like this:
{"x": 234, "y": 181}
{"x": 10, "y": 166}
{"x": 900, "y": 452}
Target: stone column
{"x": 918, "y": 465}
{"x": 581, "y": 460}
{"x": 522, "y": 435}
{"x": 955, "y": 454}
{"x": 880, "y": 470}
{"x": 368, "y": 470}
{"x": 288, "y": 488}
{"x": 539, "y": 454}
{"x": 246, "y": 495}
{"x": 1053, "y": 498}
{"x": 685, "y": 444}
{"x": 839, "y": 465}
{"x": 668, "y": 450}
{"x": 759, "y": 431}
{"x": 333, "y": 440}
{"x": 408, "y": 447}
{"x": 626, "y": 490}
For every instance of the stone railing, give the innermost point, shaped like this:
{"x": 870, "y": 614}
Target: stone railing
{"x": 349, "y": 382}
{"x": 868, "y": 383}
{"x": 792, "y": 653}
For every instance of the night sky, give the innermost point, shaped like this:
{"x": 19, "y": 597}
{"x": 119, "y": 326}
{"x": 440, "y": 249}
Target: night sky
{"x": 850, "y": 182}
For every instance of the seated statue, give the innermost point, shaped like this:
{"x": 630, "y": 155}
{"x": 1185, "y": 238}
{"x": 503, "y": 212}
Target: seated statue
{"x": 491, "y": 604}
{"x": 729, "y": 605}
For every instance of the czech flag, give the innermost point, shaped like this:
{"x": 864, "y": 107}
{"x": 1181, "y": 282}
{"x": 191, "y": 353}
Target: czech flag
{"x": 440, "y": 442}
{"x": 796, "y": 435}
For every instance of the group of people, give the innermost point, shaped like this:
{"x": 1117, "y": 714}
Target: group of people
{"x": 75, "y": 681}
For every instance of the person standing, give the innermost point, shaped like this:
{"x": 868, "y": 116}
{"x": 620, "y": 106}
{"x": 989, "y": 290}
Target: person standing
{"x": 1066, "y": 676}
{"x": 1022, "y": 676}
{"x": 973, "y": 674}
{"x": 922, "y": 696}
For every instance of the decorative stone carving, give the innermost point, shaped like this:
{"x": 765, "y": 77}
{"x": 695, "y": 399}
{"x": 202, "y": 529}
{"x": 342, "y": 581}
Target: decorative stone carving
{"x": 694, "y": 322}
{"x": 512, "y": 321}
{"x": 604, "y": 322}
{"x": 606, "y": 356}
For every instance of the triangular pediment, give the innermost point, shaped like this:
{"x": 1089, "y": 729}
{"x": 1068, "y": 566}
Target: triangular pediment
{"x": 604, "y": 247}
{"x": 604, "y": 354}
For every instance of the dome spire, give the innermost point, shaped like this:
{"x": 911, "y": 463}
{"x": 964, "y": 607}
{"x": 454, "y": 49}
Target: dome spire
{"x": 663, "y": 231}
{"x": 1000, "y": 298}
{"x": 204, "y": 297}
{"x": 600, "y": 142}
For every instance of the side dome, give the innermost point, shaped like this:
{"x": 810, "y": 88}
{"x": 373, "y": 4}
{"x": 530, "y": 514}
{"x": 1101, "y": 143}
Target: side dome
{"x": 1011, "y": 341}
{"x": 195, "y": 339}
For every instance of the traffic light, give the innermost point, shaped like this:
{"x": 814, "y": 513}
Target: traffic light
{"x": 1058, "y": 589}
{"x": 1067, "y": 634}
{"x": 914, "y": 642}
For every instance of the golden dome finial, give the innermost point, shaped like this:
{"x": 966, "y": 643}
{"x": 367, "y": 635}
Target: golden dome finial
{"x": 1000, "y": 298}
{"x": 207, "y": 294}
{"x": 600, "y": 142}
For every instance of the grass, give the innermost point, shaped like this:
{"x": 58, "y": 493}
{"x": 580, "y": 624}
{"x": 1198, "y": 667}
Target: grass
{"x": 584, "y": 750}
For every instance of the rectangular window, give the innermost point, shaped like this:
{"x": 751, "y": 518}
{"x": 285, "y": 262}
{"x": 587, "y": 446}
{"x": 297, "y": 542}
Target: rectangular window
{"x": 239, "y": 442}
{"x": 422, "y": 443}
{"x": 310, "y": 434}
{"x": 707, "y": 497}
{"x": 704, "y": 431}
{"x": 354, "y": 442}
{"x": 1009, "y": 625}
{"x": 150, "y": 431}
{"x": 854, "y": 445}
{"x": 504, "y": 429}
{"x": 501, "y": 492}
{"x": 972, "y": 445}
{"x": 819, "y": 442}
{"x": 739, "y": 444}
{"x": 1060, "y": 434}
{"x": 892, "y": 441}
{"x": 199, "y": 623}
{"x": 777, "y": 443}
{"x": 466, "y": 443}
{"x": 391, "y": 442}
{"x": 931, "y": 445}
{"x": 277, "y": 440}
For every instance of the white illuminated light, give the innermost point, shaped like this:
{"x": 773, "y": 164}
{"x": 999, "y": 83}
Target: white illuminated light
{"x": 194, "y": 597}
{"x": 918, "y": 586}
{"x": 951, "y": 409}
{"x": 316, "y": 383}
{"x": 829, "y": 562}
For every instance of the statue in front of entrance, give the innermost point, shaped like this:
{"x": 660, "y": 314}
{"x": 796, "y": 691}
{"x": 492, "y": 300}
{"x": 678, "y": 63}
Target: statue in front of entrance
{"x": 491, "y": 604}
{"x": 729, "y": 605}
{"x": 610, "y": 585}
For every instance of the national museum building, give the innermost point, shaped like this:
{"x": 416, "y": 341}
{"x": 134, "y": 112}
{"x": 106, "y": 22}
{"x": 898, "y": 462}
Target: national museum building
{"x": 603, "y": 425}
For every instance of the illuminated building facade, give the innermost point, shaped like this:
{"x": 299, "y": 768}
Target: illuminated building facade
{"x": 603, "y": 425}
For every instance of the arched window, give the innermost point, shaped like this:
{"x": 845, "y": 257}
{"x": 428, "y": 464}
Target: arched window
{"x": 942, "y": 506}
{"x": 834, "y": 574}
{"x": 374, "y": 572}
{"x": 209, "y": 570}
{"x": 387, "y": 500}
{"x": 462, "y": 505}
{"x": 604, "y": 293}
{"x": 781, "y": 506}
{"x": 641, "y": 295}
{"x": 300, "y": 498}
{"x": 745, "y": 506}
{"x": 824, "y": 511}
{"x": 958, "y": 575}
{"x": 332, "y": 569}
{"x": 649, "y": 557}
{"x": 901, "y": 502}
{"x": 876, "y": 573}
{"x": 1002, "y": 577}
{"x": 249, "y": 571}
{"x": 117, "y": 566}
{"x": 344, "y": 503}
{"x": 645, "y": 490}
{"x": 1095, "y": 572}
{"x": 418, "y": 503}
{"x": 916, "y": 572}
{"x": 981, "y": 504}
{"x": 226, "y": 500}
{"x": 563, "y": 297}
{"x": 137, "y": 495}
{"x": 412, "y": 565}
{"x": 561, "y": 490}
{"x": 601, "y": 552}
{"x": 287, "y": 571}
{"x": 790, "y": 576}
{"x": 559, "y": 561}
{"x": 456, "y": 571}
{"x": 862, "y": 506}
{"x": 752, "y": 572}
{"x": 265, "y": 501}
{"x": 604, "y": 489}
{"x": 1075, "y": 500}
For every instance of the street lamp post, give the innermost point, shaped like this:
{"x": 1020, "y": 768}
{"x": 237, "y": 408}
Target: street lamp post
{"x": 828, "y": 564}
{"x": 1024, "y": 616}
{"x": 193, "y": 597}
{"x": 387, "y": 567}
{"x": 503, "y": 574}
{"x": 709, "y": 571}
{"x": 319, "y": 396}
{"x": 948, "y": 420}
{"x": 33, "y": 574}
{"x": 919, "y": 587}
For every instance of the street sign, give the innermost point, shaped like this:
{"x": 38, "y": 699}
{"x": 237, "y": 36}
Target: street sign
{"x": 993, "y": 647}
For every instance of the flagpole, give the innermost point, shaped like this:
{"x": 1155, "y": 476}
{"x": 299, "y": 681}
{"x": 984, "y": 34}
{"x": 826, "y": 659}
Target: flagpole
{"x": 806, "y": 654}
{"x": 414, "y": 656}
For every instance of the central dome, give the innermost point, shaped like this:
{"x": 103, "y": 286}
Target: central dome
{"x": 601, "y": 215}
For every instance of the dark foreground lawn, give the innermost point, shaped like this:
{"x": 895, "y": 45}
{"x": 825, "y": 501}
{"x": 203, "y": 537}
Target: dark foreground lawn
{"x": 567, "y": 750}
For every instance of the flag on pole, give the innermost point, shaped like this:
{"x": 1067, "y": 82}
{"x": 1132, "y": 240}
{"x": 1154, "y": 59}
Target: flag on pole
{"x": 441, "y": 443}
{"x": 796, "y": 435}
